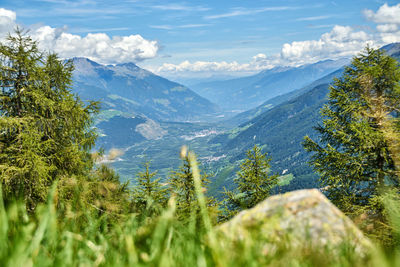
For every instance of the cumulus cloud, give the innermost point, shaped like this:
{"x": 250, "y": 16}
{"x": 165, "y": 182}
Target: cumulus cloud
{"x": 97, "y": 46}
{"x": 7, "y": 21}
{"x": 200, "y": 66}
{"x": 388, "y": 20}
{"x": 8, "y": 14}
{"x": 258, "y": 63}
{"x": 385, "y": 15}
{"x": 341, "y": 41}
{"x": 387, "y": 28}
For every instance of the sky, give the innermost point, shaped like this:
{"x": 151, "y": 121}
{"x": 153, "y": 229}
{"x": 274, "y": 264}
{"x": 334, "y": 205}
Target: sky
{"x": 205, "y": 38}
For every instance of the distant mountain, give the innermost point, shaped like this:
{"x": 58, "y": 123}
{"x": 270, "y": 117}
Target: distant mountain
{"x": 250, "y": 92}
{"x": 122, "y": 132}
{"x": 393, "y": 50}
{"x": 280, "y": 129}
{"x": 190, "y": 81}
{"x": 128, "y": 89}
{"x": 249, "y": 115}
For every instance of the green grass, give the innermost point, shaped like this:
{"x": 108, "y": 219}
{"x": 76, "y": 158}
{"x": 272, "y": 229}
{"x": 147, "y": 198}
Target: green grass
{"x": 178, "y": 89}
{"x": 47, "y": 238}
{"x": 62, "y": 236}
{"x": 221, "y": 179}
{"x": 164, "y": 152}
{"x": 285, "y": 179}
{"x": 236, "y": 131}
{"x": 105, "y": 115}
{"x": 116, "y": 97}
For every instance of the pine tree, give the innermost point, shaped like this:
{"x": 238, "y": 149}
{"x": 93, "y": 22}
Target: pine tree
{"x": 254, "y": 183}
{"x": 45, "y": 129}
{"x": 182, "y": 186}
{"x": 352, "y": 155}
{"x": 149, "y": 194}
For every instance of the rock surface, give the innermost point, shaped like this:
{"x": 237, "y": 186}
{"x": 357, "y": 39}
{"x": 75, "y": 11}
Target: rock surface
{"x": 303, "y": 217}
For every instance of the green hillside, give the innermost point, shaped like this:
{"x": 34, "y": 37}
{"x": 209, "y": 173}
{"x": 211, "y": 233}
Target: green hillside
{"x": 134, "y": 91}
{"x": 249, "y": 92}
{"x": 280, "y": 130}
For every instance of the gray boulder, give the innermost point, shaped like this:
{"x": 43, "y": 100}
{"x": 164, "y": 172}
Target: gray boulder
{"x": 304, "y": 217}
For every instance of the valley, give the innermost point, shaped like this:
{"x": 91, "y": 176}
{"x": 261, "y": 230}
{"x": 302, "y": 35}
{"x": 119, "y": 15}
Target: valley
{"x": 163, "y": 152}
{"x": 154, "y": 129}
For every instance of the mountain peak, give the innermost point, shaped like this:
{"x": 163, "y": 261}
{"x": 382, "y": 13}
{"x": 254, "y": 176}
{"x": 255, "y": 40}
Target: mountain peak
{"x": 129, "y": 65}
{"x": 84, "y": 60}
{"x": 392, "y": 49}
{"x": 85, "y": 66}
{"x": 127, "y": 88}
{"x": 132, "y": 69}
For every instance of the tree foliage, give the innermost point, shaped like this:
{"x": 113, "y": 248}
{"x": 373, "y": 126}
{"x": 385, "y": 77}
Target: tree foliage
{"x": 182, "y": 187}
{"x": 46, "y": 131}
{"x": 150, "y": 196}
{"x": 254, "y": 183}
{"x": 353, "y": 155}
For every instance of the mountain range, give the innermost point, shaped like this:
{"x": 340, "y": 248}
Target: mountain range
{"x": 249, "y": 92}
{"x": 280, "y": 129}
{"x": 127, "y": 89}
{"x": 135, "y": 120}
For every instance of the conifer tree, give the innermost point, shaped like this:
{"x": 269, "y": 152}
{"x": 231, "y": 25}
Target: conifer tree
{"x": 254, "y": 183}
{"x": 149, "y": 193}
{"x": 45, "y": 129}
{"x": 182, "y": 186}
{"x": 352, "y": 155}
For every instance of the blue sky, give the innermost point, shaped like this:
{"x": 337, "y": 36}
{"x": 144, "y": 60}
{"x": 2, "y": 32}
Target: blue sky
{"x": 227, "y": 37}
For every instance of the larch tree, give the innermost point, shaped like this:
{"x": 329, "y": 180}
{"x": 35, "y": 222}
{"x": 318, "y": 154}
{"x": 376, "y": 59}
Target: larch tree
{"x": 150, "y": 196}
{"x": 45, "y": 129}
{"x": 254, "y": 183}
{"x": 353, "y": 154}
{"x": 182, "y": 187}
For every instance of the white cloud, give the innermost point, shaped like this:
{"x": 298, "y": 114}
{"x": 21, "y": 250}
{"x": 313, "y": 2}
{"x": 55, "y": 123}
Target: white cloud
{"x": 314, "y": 18}
{"x": 388, "y": 20}
{"x": 187, "y": 26}
{"x": 244, "y": 11}
{"x": 161, "y": 27}
{"x": 387, "y": 28}
{"x": 180, "y": 7}
{"x": 97, "y": 46}
{"x": 258, "y": 63}
{"x": 184, "y": 26}
{"x": 385, "y": 14}
{"x": 259, "y": 57}
{"x": 341, "y": 41}
{"x": 7, "y": 21}
{"x": 8, "y": 14}
{"x": 200, "y": 66}
{"x": 390, "y": 37}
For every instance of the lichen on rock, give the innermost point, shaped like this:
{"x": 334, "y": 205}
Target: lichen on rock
{"x": 302, "y": 217}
